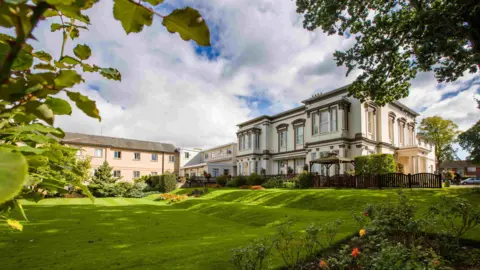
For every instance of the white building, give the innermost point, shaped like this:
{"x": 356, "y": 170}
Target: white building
{"x": 331, "y": 122}
{"x": 220, "y": 160}
{"x": 188, "y": 155}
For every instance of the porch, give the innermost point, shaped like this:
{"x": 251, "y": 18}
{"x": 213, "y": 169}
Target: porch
{"x": 415, "y": 160}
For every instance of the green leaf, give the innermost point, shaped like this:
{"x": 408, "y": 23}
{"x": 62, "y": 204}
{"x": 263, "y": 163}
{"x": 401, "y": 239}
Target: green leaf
{"x": 67, "y": 78}
{"x": 33, "y": 88}
{"x": 55, "y": 26}
{"x": 64, "y": 2}
{"x": 70, "y": 60}
{"x": 44, "y": 67}
{"x": 72, "y": 12}
{"x": 189, "y": 24}
{"x": 6, "y": 16}
{"x": 36, "y": 161}
{"x": 132, "y": 16}
{"x": 88, "y": 106}
{"x": 74, "y": 33}
{"x": 13, "y": 173}
{"x": 33, "y": 196}
{"x": 43, "y": 56}
{"x": 20, "y": 209}
{"x": 111, "y": 74}
{"x": 59, "y": 106}
{"x": 82, "y": 51}
{"x": 23, "y": 61}
{"x": 85, "y": 190}
{"x": 40, "y": 110}
{"x": 88, "y": 68}
{"x": 15, "y": 2}
{"x": 153, "y": 2}
{"x": 14, "y": 224}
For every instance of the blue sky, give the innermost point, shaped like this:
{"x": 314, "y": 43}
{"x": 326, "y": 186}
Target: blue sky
{"x": 261, "y": 62}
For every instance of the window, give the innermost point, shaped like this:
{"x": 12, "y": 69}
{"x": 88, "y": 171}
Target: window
{"x": 215, "y": 172}
{"x": 258, "y": 141}
{"x": 206, "y": 155}
{"x": 299, "y": 135}
{"x": 299, "y": 162}
{"x": 401, "y": 133}
{"x": 411, "y": 136}
{"x": 229, "y": 151}
{"x": 281, "y": 166}
{"x": 154, "y": 173}
{"x": 370, "y": 122}
{"x": 314, "y": 156}
{"x": 249, "y": 141}
{"x": 117, "y": 154}
{"x": 283, "y": 139}
{"x": 226, "y": 171}
{"x": 333, "y": 115}
{"x": 98, "y": 152}
{"x": 136, "y": 174}
{"x": 243, "y": 142}
{"x": 256, "y": 166}
{"x": 187, "y": 155}
{"x": 471, "y": 169}
{"x": 324, "y": 121}
{"x": 117, "y": 173}
{"x": 171, "y": 158}
{"x": 315, "y": 123}
{"x": 154, "y": 157}
{"x": 136, "y": 156}
{"x": 390, "y": 129}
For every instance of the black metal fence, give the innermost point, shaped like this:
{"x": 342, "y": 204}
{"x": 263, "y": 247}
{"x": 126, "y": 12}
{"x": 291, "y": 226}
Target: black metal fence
{"x": 390, "y": 180}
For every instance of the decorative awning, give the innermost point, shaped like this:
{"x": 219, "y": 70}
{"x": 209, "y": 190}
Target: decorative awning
{"x": 332, "y": 159}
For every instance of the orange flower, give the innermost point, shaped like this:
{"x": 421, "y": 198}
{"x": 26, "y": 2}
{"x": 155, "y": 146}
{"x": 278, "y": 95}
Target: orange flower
{"x": 362, "y": 232}
{"x": 323, "y": 264}
{"x": 435, "y": 262}
{"x": 355, "y": 252}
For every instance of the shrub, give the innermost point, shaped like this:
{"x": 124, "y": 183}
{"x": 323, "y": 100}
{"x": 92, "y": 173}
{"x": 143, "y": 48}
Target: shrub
{"x": 290, "y": 184}
{"x": 237, "y": 181}
{"x": 304, "y": 180}
{"x": 256, "y": 188}
{"x": 214, "y": 186}
{"x": 222, "y": 180}
{"x": 251, "y": 256}
{"x": 168, "y": 183}
{"x": 171, "y": 198}
{"x": 273, "y": 183}
{"x": 375, "y": 164}
{"x": 255, "y": 179}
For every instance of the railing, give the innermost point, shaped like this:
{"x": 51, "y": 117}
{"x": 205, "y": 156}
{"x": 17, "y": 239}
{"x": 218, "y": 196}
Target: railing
{"x": 391, "y": 180}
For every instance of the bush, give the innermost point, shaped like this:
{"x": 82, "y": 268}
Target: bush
{"x": 222, "y": 180}
{"x": 290, "y": 184}
{"x": 273, "y": 183}
{"x": 237, "y": 181}
{"x": 375, "y": 164}
{"x": 255, "y": 179}
{"x": 304, "y": 180}
{"x": 251, "y": 256}
{"x": 168, "y": 183}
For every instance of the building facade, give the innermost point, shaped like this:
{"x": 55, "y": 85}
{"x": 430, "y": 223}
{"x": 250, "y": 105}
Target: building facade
{"x": 464, "y": 168}
{"x": 130, "y": 159}
{"x": 220, "y": 160}
{"x": 331, "y": 122}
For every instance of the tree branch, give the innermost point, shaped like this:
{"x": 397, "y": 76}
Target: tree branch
{"x": 20, "y": 41}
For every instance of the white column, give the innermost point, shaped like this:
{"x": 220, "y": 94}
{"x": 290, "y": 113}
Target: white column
{"x": 418, "y": 165}
{"x": 410, "y": 165}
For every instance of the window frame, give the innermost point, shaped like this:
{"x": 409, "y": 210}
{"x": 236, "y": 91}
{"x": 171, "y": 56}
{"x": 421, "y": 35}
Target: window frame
{"x": 327, "y": 123}
{"x": 135, "y": 156}
{"x": 95, "y": 152}
{"x": 315, "y": 123}
{"x": 171, "y": 158}
{"x": 297, "y": 134}
{"x": 134, "y": 173}
{"x": 283, "y": 138}
{"x": 156, "y": 157}
{"x": 333, "y": 115}
{"x": 117, "y": 154}
{"x": 119, "y": 173}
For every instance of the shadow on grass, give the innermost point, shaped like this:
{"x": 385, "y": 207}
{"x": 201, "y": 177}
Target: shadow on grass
{"x": 138, "y": 236}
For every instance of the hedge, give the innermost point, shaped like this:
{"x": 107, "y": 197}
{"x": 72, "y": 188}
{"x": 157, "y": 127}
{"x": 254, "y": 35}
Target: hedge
{"x": 164, "y": 183}
{"x": 375, "y": 164}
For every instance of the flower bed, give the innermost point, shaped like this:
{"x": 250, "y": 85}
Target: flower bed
{"x": 171, "y": 198}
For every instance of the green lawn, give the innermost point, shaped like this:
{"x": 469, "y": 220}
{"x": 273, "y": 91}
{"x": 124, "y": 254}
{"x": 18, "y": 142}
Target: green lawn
{"x": 121, "y": 233}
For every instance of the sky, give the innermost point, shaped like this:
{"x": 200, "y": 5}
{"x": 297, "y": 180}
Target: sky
{"x": 261, "y": 61}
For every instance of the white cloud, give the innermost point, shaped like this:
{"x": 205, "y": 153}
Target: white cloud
{"x": 169, "y": 93}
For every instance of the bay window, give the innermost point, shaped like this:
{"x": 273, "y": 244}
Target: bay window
{"x": 324, "y": 121}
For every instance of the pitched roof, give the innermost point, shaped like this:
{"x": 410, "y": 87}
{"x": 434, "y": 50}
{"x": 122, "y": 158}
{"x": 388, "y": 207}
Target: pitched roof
{"x": 87, "y": 139}
{"x": 458, "y": 164}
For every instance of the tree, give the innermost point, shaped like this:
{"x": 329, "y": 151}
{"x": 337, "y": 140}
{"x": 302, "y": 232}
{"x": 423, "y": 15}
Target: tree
{"x": 470, "y": 141}
{"x": 103, "y": 182}
{"x": 31, "y": 81}
{"x": 397, "y": 39}
{"x": 442, "y": 133}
